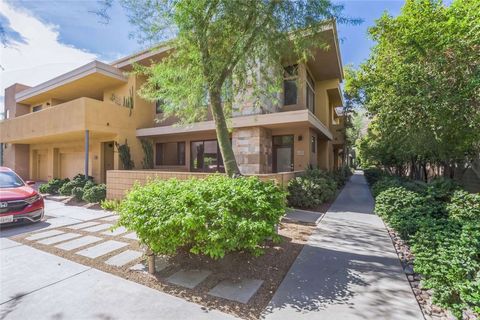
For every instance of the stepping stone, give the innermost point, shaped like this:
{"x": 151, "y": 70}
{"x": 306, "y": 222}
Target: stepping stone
{"x": 115, "y": 232}
{"x": 140, "y": 267}
{"x": 45, "y": 234}
{"x": 112, "y": 218}
{"x": 240, "y": 291}
{"x": 303, "y": 216}
{"x": 123, "y": 258}
{"x": 99, "y": 227}
{"x": 83, "y": 225}
{"x": 132, "y": 236}
{"x": 59, "y": 238}
{"x": 189, "y": 278}
{"x": 77, "y": 243}
{"x": 102, "y": 249}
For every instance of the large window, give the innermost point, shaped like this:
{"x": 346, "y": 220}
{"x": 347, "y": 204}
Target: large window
{"x": 170, "y": 154}
{"x": 310, "y": 93}
{"x": 290, "y": 78}
{"x": 206, "y": 156}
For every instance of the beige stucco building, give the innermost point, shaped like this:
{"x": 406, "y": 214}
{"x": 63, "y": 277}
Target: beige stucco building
{"x": 71, "y": 123}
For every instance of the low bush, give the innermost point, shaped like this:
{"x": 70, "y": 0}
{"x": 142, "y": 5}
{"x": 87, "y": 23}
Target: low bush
{"x": 78, "y": 181}
{"x": 341, "y": 175}
{"x": 52, "y": 186}
{"x": 442, "y": 225}
{"x": 373, "y": 175}
{"x": 447, "y": 254}
{"x": 442, "y": 188}
{"x": 385, "y": 183}
{"x": 77, "y": 192}
{"x": 96, "y": 193}
{"x": 212, "y": 216}
{"x": 110, "y": 205}
{"x": 311, "y": 190}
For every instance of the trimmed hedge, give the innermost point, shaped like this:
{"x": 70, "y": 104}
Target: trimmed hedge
{"x": 52, "y": 186}
{"x": 211, "y": 216}
{"x": 95, "y": 193}
{"x": 311, "y": 190}
{"x": 442, "y": 225}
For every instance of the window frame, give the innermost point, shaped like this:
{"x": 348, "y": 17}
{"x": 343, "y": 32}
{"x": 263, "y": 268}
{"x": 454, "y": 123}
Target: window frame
{"x": 159, "y": 151}
{"x": 289, "y": 77}
{"x": 309, "y": 88}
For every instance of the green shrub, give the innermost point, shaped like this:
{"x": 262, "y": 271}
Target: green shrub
{"x": 373, "y": 175}
{"x": 385, "y": 183}
{"x": 341, "y": 175}
{"x": 77, "y": 192}
{"x": 213, "y": 216}
{"x": 464, "y": 207}
{"x": 406, "y": 210}
{"x": 95, "y": 193}
{"x": 78, "y": 181}
{"x": 442, "y": 188}
{"x": 447, "y": 254}
{"x": 52, "y": 186}
{"x": 311, "y": 190}
{"x": 110, "y": 205}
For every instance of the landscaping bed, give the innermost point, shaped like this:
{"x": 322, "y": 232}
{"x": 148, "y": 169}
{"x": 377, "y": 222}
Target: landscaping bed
{"x": 435, "y": 228}
{"x": 271, "y": 267}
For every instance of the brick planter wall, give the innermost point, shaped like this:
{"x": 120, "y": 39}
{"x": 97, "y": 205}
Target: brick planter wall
{"x": 120, "y": 181}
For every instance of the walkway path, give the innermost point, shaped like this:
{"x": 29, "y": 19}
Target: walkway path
{"x": 348, "y": 270}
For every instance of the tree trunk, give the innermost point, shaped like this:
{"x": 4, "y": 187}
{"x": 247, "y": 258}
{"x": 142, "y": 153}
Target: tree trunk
{"x": 223, "y": 136}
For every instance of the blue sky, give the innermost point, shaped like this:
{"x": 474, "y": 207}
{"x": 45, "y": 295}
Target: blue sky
{"x": 51, "y": 37}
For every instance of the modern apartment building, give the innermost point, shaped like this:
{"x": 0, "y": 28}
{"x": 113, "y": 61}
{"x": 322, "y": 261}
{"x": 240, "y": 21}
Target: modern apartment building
{"x": 71, "y": 123}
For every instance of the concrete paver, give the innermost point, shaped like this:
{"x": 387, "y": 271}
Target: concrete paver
{"x": 132, "y": 236}
{"x": 45, "y": 234}
{"x": 83, "y": 225}
{"x": 348, "y": 270}
{"x": 40, "y": 286}
{"x": 77, "y": 243}
{"x": 111, "y": 218}
{"x": 240, "y": 291}
{"x": 59, "y": 238}
{"x": 188, "y": 278}
{"x": 100, "y": 227}
{"x": 124, "y": 258}
{"x": 115, "y": 232}
{"x": 102, "y": 249}
{"x": 304, "y": 216}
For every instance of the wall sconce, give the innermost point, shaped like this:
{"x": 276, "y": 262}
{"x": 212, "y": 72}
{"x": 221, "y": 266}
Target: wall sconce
{"x": 300, "y": 138}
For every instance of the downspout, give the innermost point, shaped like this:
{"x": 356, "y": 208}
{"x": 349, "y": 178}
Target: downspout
{"x": 87, "y": 137}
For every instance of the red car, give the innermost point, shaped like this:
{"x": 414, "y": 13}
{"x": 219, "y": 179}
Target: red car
{"x": 19, "y": 202}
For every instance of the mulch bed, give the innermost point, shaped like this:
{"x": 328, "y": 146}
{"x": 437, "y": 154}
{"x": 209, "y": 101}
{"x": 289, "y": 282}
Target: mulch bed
{"x": 424, "y": 296}
{"x": 271, "y": 267}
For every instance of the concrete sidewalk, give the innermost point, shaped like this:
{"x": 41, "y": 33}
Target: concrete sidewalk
{"x": 37, "y": 285}
{"x": 348, "y": 270}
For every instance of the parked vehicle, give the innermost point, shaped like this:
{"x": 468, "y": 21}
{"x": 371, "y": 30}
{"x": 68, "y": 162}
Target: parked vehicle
{"x": 19, "y": 202}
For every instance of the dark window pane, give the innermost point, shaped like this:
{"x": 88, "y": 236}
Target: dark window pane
{"x": 290, "y": 92}
{"x": 283, "y": 140}
{"x": 181, "y": 153}
{"x": 314, "y": 144}
{"x": 159, "y": 154}
{"x": 37, "y": 108}
{"x": 310, "y": 99}
{"x": 159, "y": 106}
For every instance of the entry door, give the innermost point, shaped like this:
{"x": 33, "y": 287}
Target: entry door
{"x": 108, "y": 159}
{"x": 283, "y": 153}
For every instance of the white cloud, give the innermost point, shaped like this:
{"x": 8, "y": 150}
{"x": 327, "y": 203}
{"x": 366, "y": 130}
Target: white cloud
{"x": 40, "y": 57}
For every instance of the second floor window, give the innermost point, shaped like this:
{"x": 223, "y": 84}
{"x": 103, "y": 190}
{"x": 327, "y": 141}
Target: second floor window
{"x": 159, "y": 106}
{"x": 290, "y": 78}
{"x": 310, "y": 93}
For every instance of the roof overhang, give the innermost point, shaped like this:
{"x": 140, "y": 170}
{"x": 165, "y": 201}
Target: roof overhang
{"x": 89, "y": 80}
{"x": 271, "y": 120}
{"x": 143, "y": 57}
{"x": 326, "y": 63}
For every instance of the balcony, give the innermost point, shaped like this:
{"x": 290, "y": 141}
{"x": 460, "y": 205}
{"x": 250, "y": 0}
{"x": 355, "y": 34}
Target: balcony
{"x": 68, "y": 120}
{"x": 338, "y": 133}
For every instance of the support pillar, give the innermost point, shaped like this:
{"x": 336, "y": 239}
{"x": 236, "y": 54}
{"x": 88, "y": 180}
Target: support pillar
{"x": 87, "y": 142}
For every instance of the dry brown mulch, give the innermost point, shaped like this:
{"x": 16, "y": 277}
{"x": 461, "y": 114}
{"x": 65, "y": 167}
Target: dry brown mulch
{"x": 271, "y": 267}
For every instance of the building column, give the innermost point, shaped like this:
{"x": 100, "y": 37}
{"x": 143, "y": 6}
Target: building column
{"x": 87, "y": 142}
{"x": 253, "y": 150}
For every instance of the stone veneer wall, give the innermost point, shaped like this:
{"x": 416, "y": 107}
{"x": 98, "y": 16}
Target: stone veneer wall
{"x": 253, "y": 149}
{"x": 120, "y": 181}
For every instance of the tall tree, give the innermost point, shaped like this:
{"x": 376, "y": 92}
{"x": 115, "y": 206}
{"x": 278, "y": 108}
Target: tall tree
{"x": 222, "y": 50}
{"x": 421, "y": 85}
